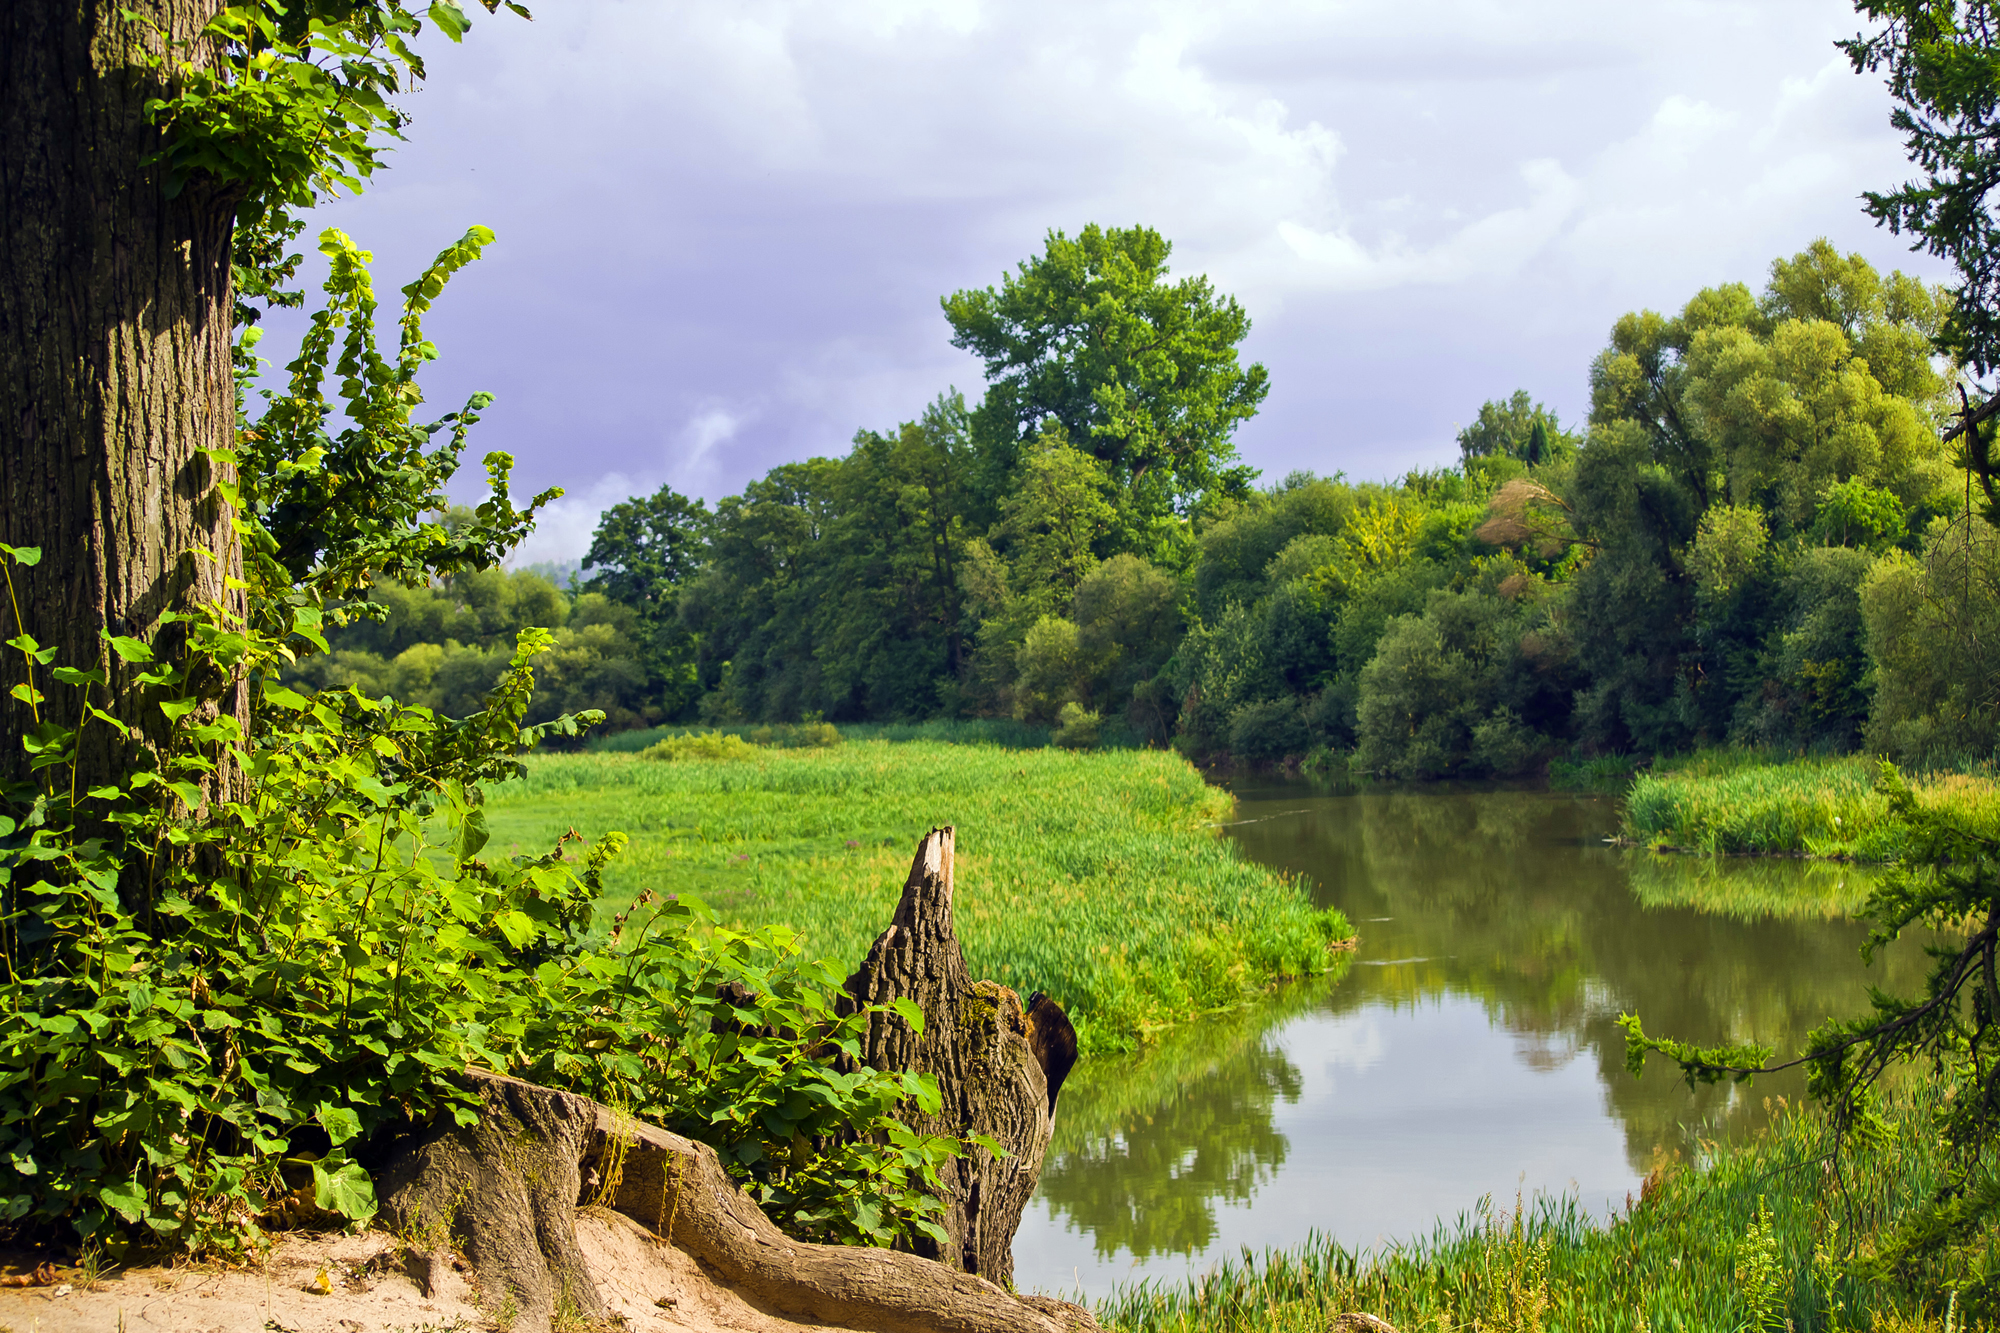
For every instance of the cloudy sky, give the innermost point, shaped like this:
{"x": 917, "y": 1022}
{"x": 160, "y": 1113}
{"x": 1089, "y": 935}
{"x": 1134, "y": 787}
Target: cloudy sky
{"x": 724, "y": 225}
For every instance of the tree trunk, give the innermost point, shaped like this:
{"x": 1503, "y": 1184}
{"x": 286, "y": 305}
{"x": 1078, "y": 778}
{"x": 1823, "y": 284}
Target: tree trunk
{"x": 507, "y": 1192}
{"x": 983, "y": 1049}
{"x": 114, "y": 361}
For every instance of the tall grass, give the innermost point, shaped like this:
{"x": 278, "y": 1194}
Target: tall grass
{"x": 1750, "y": 1237}
{"x": 1001, "y": 731}
{"x": 1099, "y": 877}
{"x": 1807, "y": 807}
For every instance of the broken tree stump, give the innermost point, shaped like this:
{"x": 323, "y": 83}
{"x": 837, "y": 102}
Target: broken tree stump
{"x": 997, "y": 1069}
{"x": 508, "y": 1189}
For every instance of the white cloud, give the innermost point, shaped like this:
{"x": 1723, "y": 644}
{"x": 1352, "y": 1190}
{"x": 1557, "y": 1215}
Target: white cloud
{"x": 724, "y": 224}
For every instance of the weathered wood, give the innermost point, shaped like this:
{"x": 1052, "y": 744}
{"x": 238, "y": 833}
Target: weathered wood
{"x": 504, "y": 1191}
{"x": 976, "y": 1042}
{"x": 510, "y": 1188}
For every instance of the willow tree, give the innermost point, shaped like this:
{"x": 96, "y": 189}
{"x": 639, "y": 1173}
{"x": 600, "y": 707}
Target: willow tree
{"x": 151, "y": 152}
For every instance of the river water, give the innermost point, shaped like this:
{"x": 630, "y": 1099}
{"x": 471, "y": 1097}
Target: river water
{"x": 1468, "y": 1050}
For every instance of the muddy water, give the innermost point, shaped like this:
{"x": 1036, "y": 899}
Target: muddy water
{"x": 1470, "y": 1048}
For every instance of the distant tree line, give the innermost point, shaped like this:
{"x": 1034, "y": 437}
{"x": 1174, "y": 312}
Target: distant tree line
{"x": 1756, "y": 537}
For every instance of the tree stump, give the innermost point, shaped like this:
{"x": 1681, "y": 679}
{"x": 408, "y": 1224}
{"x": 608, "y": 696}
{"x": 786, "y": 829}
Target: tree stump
{"x": 508, "y": 1189}
{"x": 505, "y": 1191}
{"x": 986, "y": 1053}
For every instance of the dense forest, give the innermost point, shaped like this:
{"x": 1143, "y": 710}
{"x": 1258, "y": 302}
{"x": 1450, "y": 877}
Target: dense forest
{"x": 1756, "y": 537}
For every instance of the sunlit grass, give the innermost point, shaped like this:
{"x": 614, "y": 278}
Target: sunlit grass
{"x": 1807, "y": 807}
{"x": 1748, "y": 1238}
{"x": 1100, "y": 878}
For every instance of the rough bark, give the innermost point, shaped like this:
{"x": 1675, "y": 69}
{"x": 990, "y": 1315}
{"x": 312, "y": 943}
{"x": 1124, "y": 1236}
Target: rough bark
{"x": 114, "y": 356}
{"x": 979, "y": 1045}
{"x": 510, "y": 1188}
{"x": 505, "y": 1191}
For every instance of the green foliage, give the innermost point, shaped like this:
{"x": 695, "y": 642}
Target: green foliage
{"x": 1079, "y": 727}
{"x": 1929, "y": 624}
{"x": 1518, "y": 428}
{"x": 1096, "y": 876}
{"x": 1826, "y": 807}
{"x": 286, "y": 103}
{"x": 1939, "y": 64}
{"x": 1140, "y": 371}
{"x": 230, "y": 973}
{"x": 702, "y": 745}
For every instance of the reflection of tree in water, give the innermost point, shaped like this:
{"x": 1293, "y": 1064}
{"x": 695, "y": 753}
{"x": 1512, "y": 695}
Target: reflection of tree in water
{"x": 1152, "y": 1187}
{"x": 1511, "y": 897}
{"x": 1153, "y": 1144}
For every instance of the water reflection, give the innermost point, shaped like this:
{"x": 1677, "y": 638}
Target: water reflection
{"x": 1471, "y": 1046}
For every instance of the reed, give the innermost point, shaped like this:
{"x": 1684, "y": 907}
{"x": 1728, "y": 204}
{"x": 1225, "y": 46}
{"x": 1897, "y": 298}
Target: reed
{"x": 1100, "y": 878}
{"x": 1751, "y": 1236}
{"x": 1727, "y": 802}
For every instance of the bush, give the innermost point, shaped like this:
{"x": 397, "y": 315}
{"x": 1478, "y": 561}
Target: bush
{"x": 1078, "y": 728}
{"x": 1268, "y": 731}
{"x": 701, "y": 745}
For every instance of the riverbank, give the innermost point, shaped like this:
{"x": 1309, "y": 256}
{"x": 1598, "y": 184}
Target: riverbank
{"x": 1099, "y": 877}
{"x": 1732, "y": 802}
{"x": 1748, "y": 1236}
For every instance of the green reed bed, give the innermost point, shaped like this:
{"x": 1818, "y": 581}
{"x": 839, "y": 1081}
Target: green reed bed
{"x": 1100, "y": 877}
{"x": 1753, "y": 1236}
{"x": 1807, "y": 807}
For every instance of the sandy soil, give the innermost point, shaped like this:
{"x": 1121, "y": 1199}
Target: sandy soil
{"x": 315, "y": 1283}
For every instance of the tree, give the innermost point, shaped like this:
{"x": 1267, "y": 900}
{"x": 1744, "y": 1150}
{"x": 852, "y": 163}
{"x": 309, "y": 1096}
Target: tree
{"x": 1139, "y": 370}
{"x": 1942, "y": 63}
{"x": 1517, "y": 427}
{"x": 136, "y": 138}
{"x": 644, "y": 549}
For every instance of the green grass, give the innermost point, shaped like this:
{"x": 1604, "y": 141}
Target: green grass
{"x": 1743, "y": 1239}
{"x": 1099, "y": 877}
{"x": 1731, "y": 802}
{"x": 1003, "y": 732}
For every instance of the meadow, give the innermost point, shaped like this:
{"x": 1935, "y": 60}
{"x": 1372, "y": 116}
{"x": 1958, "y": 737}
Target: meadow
{"x": 1749, "y": 1236}
{"x": 1742, "y": 802}
{"x": 1101, "y": 877}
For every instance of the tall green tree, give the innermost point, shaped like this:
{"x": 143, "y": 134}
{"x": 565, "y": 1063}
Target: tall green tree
{"x": 644, "y": 551}
{"x": 1140, "y": 370}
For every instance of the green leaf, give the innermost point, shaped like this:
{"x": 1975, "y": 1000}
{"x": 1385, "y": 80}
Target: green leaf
{"x": 518, "y": 927}
{"x": 32, "y": 555}
{"x": 472, "y": 834}
{"x": 124, "y": 1198}
{"x": 347, "y": 1191}
{"x": 128, "y": 648}
{"x": 339, "y": 1122}
{"x": 277, "y": 694}
{"x": 451, "y": 20}
{"x": 910, "y": 1011}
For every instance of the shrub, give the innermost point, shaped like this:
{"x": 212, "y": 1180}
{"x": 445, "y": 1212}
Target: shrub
{"x": 1078, "y": 727}
{"x": 701, "y": 745}
{"x": 1268, "y": 731}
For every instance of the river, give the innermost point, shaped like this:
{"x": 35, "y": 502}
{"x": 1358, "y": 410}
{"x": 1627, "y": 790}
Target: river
{"x": 1468, "y": 1050}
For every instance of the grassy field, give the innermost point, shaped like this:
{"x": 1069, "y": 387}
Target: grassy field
{"x": 1098, "y": 877}
{"x": 1731, "y": 802}
{"x": 1747, "y": 1238}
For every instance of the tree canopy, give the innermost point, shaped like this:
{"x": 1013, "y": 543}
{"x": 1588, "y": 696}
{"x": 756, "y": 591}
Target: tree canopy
{"x": 1141, "y": 371}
